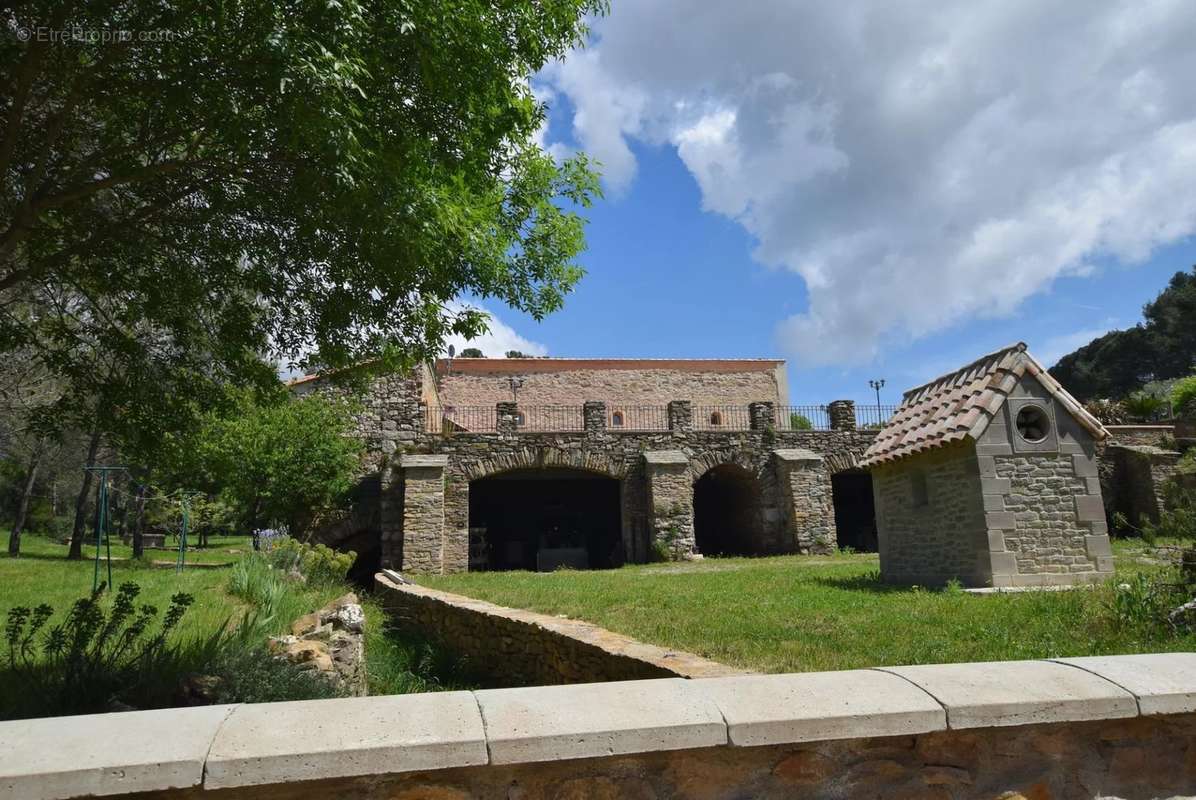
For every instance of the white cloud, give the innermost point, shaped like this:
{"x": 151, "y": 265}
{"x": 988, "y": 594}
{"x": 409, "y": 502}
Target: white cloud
{"x": 915, "y": 162}
{"x": 498, "y": 340}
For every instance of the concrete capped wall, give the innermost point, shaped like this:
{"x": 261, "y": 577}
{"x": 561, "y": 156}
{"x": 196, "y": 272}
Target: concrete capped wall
{"x": 1122, "y": 726}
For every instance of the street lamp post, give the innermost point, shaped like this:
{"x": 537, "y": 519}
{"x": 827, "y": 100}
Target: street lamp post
{"x": 877, "y": 385}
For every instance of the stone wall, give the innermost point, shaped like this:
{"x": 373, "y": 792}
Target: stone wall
{"x": 621, "y": 384}
{"x": 1120, "y": 726}
{"x": 621, "y": 455}
{"x": 1048, "y": 537}
{"x": 512, "y": 647}
{"x": 933, "y": 537}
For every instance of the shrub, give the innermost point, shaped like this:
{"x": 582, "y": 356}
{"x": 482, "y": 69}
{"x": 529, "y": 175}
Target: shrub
{"x": 96, "y": 656}
{"x": 252, "y": 675}
{"x": 1183, "y": 397}
{"x": 800, "y": 422}
{"x": 1143, "y": 407}
{"x": 1109, "y": 412}
{"x": 318, "y": 564}
{"x": 255, "y": 580}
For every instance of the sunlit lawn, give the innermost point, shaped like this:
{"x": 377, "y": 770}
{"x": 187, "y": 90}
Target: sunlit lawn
{"x": 800, "y": 613}
{"x": 220, "y": 550}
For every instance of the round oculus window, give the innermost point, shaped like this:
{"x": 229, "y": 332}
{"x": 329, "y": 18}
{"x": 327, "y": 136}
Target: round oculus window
{"x": 1033, "y": 424}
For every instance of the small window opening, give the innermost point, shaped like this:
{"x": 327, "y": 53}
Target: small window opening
{"x": 1032, "y": 424}
{"x": 519, "y": 418}
{"x": 919, "y": 489}
{"x": 616, "y": 419}
{"x": 716, "y": 418}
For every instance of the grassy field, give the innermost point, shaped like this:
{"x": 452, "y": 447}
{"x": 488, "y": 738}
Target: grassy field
{"x": 395, "y": 664}
{"x": 801, "y": 613}
{"x": 220, "y": 550}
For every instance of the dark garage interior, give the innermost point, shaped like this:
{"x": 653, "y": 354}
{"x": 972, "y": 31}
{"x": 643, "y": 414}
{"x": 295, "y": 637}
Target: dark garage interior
{"x": 543, "y": 519}
{"x": 855, "y": 512}
{"x": 727, "y": 512}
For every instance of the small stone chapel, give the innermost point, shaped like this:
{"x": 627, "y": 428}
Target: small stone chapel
{"x": 988, "y": 475}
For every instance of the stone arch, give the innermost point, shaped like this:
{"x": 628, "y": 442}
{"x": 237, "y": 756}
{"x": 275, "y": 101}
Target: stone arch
{"x": 842, "y": 460}
{"x": 703, "y": 462}
{"x": 543, "y": 458}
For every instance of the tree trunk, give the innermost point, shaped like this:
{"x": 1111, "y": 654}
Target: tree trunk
{"x": 14, "y": 538}
{"x": 78, "y": 532}
{"x": 139, "y": 523}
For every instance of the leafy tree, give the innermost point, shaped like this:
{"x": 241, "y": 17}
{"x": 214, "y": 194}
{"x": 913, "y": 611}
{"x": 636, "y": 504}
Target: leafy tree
{"x": 800, "y": 422}
{"x": 305, "y": 182}
{"x": 472, "y": 352}
{"x": 516, "y": 354}
{"x": 1183, "y": 397}
{"x": 1162, "y": 347}
{"x": 289, "y": 461}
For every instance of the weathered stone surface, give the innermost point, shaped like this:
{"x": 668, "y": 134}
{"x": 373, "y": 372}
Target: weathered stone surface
{"x": 1163, "y": 683}
{"x": 285, "y": 742}
{"x": 549, "y": 723}
{"x": 330, "y": 641}
{"x": 106, "y": 754}
{"x": 518, "y": 647}
{"x": 1000, "y": 693}
{"x": 817, "y": 706}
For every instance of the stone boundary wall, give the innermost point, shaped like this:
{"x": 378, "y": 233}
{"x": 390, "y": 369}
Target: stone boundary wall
{"x": 514, "y": 647}
{"x": 1122, "y": 726}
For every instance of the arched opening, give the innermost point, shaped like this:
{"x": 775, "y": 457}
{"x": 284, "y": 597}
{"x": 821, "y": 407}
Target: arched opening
{"x": 616, "y": 419}
{"x": 544, "y": 519}
{"x": 727, "y": 512}
{"x": 716, "y": 418}
{"x": 855, "y": 513}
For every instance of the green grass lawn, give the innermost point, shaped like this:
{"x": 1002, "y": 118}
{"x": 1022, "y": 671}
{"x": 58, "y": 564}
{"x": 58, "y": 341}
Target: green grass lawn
{"x": 801, "y": 613}
{"x": 395, "y": 663}
{"x": 220, "y": 550}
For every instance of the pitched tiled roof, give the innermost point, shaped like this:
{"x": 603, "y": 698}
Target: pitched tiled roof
{"x": 961, "y": 404}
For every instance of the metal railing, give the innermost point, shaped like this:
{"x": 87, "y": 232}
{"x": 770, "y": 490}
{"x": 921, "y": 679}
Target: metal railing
{"x": 564, "y": 418}
{"x": 873, "y": 416}
{"x": 722, "y": 418}
{"x": 803, "y": 418}
{"x": 637, "y": 418}
{"x": 550, "y": 418}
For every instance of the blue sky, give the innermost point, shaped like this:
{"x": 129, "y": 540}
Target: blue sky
{"x": 872, "y": 190}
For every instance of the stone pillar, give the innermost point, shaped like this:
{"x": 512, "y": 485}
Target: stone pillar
{"x": 842, "y": 414}
{"x": 681, "y": 415}
{"x": 593, "y": 413}
{"x": 506, "y": 419}
{"x": 390, "y": 510}
{"x": 670, "y": 504}
{"x": 423, "y": 513}
{"x": 805, "y": 490}
{"x": 762, "y": 416}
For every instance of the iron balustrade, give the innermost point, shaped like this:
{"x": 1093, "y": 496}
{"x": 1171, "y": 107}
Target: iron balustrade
{"x": 873, "y": 416}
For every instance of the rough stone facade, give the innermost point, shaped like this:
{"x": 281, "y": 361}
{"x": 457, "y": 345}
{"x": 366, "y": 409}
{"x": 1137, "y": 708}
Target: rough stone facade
{"x": 1146, "y": 757}
{"x": 617, "y": 382}
{"x": 424, "y": 476}
{"x": 943, "y": 537}
{"x": 513, "y": 647}
{"x": 1001, "y": 509}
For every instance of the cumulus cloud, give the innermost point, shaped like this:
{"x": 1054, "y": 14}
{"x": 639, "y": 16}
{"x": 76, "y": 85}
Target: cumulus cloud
{"x": 498, "y": 340}
{"x": 915, "y": 163}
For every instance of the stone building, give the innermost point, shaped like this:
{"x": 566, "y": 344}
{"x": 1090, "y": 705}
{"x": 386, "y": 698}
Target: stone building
{"x": 538, "y": 463}
{"x": 989, "y": 475}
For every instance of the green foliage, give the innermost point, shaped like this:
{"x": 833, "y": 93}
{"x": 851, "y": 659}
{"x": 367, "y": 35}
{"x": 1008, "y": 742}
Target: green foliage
{"x": 1143, "y": 602}
{"x": 272, "y": 179}
{"x": 800, "y": 422}
{"x": 255, "y": 580}
{"x": 1183, "y": 397}
{"x": 472, "y": 352}
{"x": 1162, "y": 347}
{"x": 96, "y": 655}
{"x": 318, "y": 563}
{"x": 290, "y": 461}
{"x": 1143, "y": 407}
{"x": 253, "y": 675}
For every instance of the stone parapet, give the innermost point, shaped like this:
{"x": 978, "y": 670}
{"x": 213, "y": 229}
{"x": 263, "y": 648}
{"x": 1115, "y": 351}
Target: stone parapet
{"x": 680, "y": 415}
{"x": 1080, "y": 727}
{"x": 593, "y": 414}
{"x": 762, "y": 416}
{"x": 842, "y": 415}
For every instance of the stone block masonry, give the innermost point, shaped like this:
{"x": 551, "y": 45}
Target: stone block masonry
{"x": 512, "y": 647}
{"x": 1118, "y": 726}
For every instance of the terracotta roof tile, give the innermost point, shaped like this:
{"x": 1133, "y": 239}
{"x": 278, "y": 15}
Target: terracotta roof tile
{"x": 961, "y": 404}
